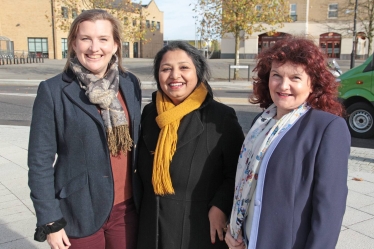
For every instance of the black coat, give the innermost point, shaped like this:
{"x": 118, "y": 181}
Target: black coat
{"x": 202, "y": 172}
{"x": 80, "y": 185}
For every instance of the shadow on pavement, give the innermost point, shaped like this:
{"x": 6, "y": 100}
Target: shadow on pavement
{"x": 11, "y": 239}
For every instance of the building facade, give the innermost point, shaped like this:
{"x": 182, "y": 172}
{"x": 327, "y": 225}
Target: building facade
{"x": 34, "y": 28}
{"x": 328, "y": 22}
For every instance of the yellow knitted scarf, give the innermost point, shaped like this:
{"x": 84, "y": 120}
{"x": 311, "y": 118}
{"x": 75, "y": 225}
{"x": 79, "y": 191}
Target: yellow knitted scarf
{"x": 168, "y": 119}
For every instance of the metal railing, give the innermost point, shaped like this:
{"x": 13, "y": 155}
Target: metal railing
{"x": 19, "y": 57}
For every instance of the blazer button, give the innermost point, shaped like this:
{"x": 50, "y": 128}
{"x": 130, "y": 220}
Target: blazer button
{"x": 134, "y": 146}
{"x": 135, "y": 171}
{"x": 257, "y": 203}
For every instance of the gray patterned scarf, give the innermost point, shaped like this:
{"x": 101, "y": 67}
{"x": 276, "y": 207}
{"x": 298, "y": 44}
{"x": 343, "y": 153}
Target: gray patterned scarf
{"x": 103, "y": 92}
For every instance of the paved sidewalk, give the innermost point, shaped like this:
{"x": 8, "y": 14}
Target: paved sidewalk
{"x": 17, "y": 217}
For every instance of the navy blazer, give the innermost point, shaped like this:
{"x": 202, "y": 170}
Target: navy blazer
{"x": 79, "y": 187}
{"x": 302, "y": 185}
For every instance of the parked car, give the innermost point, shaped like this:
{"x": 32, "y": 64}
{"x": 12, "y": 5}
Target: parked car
{"x": 357, "y": 95}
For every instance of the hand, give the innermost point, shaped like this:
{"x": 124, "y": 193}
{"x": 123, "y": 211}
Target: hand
{"x": 217, "y": 221}
{"x": 233, "y": 243}
{"x": 58, "y": 240}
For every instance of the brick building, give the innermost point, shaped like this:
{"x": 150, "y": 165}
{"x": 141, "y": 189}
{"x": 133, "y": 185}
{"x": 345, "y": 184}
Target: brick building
{"x": 328, "y": 22}
{"x": 31, "y": 27}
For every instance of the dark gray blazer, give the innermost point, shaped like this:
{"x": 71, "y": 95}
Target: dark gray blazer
{"x": 302, "y": 185}
{"x": 80, "y": 185}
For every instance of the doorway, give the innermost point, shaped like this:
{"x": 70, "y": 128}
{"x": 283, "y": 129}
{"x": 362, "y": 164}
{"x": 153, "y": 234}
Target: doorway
{"x": 330, "y": 44}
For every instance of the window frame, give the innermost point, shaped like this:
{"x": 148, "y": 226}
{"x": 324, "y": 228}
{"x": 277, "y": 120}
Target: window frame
{"x": 74, "y": 13}
{"x": 43, "y": 41}
{"x": 64, "y": 12}
{"x": 330, "y": 10}
{"x": 293, "y": 13}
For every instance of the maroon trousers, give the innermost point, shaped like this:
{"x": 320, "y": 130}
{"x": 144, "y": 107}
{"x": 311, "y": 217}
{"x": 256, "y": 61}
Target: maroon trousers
{"x": 118, "y": 232}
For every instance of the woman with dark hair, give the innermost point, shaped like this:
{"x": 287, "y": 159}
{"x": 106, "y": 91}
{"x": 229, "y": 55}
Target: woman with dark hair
{"x": 291, "y": 180}
{"x": 188, "y": 152}
{"x": 87, "y": 118}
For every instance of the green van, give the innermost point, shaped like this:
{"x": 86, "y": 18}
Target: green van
{"x": 357, "y": 95}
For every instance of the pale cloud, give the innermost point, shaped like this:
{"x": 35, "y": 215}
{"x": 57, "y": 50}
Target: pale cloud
{"x": 179, "y": 23}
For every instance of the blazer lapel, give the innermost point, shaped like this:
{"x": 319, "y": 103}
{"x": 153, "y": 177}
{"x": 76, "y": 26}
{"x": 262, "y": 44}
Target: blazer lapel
{"x": 150, "y": 131}
{"x": 190, "y": 128}
{"x": 78, "y": 97}
{"x": 127, "y": 89}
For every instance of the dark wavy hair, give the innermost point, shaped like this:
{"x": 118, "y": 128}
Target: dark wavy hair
{"x": 304, "y": 52}
{"x": 197, "y": 57}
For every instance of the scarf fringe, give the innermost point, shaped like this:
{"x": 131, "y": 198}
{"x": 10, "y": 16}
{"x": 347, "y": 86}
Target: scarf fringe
{"x": 119, "y": 139}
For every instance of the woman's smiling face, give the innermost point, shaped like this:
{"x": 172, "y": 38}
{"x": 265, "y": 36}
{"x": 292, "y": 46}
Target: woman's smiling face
{"x": 177, "y": 75}
{"x": 94, "y": 45}
{"x": 289, "y": 86}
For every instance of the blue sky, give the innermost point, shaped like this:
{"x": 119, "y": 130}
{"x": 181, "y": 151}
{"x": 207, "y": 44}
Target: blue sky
{"x": 178, "y": 18}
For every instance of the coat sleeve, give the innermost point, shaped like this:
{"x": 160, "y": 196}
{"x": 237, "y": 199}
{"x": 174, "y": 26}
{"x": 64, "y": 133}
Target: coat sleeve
{"x": 232, "y": 139}
{"x": 41, "y": 156}
{"x": 330, "y": 186}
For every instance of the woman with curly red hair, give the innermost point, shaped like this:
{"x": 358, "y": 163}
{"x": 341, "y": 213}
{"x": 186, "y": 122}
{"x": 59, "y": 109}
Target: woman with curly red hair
{"x": 291, "y": 180}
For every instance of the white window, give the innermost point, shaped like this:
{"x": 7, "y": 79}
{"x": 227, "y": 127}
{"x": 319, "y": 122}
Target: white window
{"x": 293, "y": 13}
{"x": 333, "y": 10}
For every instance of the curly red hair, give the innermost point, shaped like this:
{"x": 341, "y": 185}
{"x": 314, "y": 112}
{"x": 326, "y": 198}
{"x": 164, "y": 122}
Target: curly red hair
{"x": 304, "y": 52}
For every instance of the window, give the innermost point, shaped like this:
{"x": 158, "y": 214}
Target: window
{"x": 125, "y": 20}
{"x": 74, "y": 13}
{"x": 38, "y": 47}
{"x": 258, "y": 10}
{"x": 64, "y": 12}
{"x": 293, "y": 14}
{"x": 153, "y": 24}
{"x": 125, "y": 49}
{"x": 134, "y": 23}
{"x": 64, "y": 47}
{"x": 333, "y": 10}
{"x": 158, "y": 26}
{"x": 147, "y": 23}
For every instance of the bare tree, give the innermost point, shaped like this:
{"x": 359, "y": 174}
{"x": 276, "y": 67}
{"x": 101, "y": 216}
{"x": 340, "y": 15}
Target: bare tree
{"x": 364, "y": 18}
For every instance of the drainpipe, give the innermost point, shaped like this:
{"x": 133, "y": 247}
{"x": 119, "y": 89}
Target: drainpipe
{"x": 307, "y": 18}
{"x": 53, "y": 30}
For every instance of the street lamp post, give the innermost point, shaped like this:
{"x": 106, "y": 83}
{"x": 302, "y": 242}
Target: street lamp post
{"x": 353, "y": 54}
